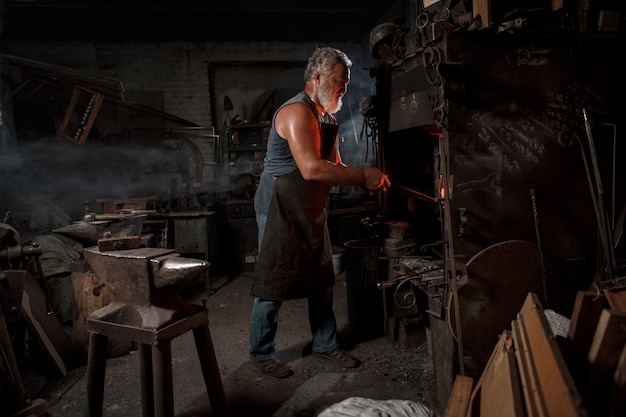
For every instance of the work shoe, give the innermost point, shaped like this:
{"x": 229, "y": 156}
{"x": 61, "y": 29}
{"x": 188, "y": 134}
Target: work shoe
{"x": 339, "y": 357}
{"x": 273, "y": 367}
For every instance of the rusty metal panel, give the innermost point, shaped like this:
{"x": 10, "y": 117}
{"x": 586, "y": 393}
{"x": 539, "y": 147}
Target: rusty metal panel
{"x": 411, "y": 92}
{"x": 499, "y": 277}
{"x": 191, "y": 236}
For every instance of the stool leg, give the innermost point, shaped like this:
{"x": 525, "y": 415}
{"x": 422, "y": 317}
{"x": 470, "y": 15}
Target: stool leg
{"x": 163, "y": 385}
{"x": 210, "y": 370}
{"x": 96, "y": 368}
{"x": 147, "y": 375}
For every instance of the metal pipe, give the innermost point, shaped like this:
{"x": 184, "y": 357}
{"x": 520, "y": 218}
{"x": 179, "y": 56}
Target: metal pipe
{"x": 449, "y": 238}
{"x": 414, "y": 193}
{"x": 542, "y": 262}
{"x": 604, "y": 229}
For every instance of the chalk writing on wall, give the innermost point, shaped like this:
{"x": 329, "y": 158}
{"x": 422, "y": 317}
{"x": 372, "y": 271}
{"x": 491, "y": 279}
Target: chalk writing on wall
{"x": 511, "y": 139}
{"x": 531, "y": 56}
{"x": 564, "y": 110}
{"x": 516, "y": 138}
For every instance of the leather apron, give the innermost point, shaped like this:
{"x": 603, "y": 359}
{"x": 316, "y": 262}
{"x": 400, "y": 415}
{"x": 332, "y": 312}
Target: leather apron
{"x": 295, "y": 259}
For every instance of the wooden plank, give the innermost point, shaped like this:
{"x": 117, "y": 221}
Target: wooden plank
{"x": 587, "y": 303}
{"x": 444, "y": 354}
{"x": 119, "y": 243}
{"x": 607, "y": 344}
{"x": 459, "y": 397}
{"x": 482, "y": 8}
{"x": 585, "y": 315}
{"x": 556, "y": 389}
{"x": 49, "y": 324}
{"x": 616, "y": 298}
{"x": 604, "y": 354}
{"x": 556, "y": 4}
{"x": 30, "y": 312}
{"x": 528, "y": 374}
{"x": 617, "y": 402}
{"x": 498, "y": 391}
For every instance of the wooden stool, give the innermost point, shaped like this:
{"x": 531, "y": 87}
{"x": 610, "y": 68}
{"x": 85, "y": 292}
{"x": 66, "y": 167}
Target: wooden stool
{"x": 156, "y": 363}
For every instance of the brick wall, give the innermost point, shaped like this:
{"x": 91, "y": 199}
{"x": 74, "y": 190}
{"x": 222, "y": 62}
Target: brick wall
{"x": 175, "y": 76}
{"x": 178, "y": 69}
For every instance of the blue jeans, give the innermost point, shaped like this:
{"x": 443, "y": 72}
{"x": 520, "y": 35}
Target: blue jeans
{"x": 264, "y": 322}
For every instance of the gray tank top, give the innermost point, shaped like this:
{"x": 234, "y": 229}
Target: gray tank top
{"x": 278, "y": 157}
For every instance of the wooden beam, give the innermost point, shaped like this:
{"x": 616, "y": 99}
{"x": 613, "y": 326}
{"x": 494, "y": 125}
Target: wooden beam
{"x": 459, "y": 397}
{"x": 586, "y": 313}
{"x": 498, "y": 392}
{"x": 616, "y": 298}
{"x": 549, "y": 385}
{"x": 604, "y": 354}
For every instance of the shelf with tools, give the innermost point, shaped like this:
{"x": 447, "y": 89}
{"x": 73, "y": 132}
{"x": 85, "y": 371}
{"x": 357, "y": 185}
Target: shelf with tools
{"x": 244, "y": 149}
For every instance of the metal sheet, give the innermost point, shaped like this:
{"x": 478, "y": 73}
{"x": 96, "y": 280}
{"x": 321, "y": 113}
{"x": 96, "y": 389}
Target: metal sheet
{"x": 499, "y": 279}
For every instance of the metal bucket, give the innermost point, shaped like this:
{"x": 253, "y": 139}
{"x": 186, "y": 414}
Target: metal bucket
{"x": 338, "y": 265}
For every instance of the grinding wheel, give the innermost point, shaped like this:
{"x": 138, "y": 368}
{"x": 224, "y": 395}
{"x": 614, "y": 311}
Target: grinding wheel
{"x": 498, "y": 280}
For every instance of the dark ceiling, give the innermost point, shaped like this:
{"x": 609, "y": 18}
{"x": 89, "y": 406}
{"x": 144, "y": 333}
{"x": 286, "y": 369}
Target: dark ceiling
{"x": 192, "y": 20}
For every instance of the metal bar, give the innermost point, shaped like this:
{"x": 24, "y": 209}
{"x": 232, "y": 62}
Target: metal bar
{"x": 103, "y": 85}
{"x": 544, "y": 274}
{"x": 210, "y": 370}
{"x": 147, "y": 380}
{"x": 388, "y": 283}
{"x": 605, "y": 231}
{"x": 96, "y": 369}
{"x": 613, "y": 177}
{"x": 148, "y": 336}
{"x": 163, "y": 385}
{"x": 446, "y": 180}
{"x": 414, "y": 193}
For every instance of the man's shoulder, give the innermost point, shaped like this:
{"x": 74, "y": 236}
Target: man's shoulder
{"x": 296, "y": 111}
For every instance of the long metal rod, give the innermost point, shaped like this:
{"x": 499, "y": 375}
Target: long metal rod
{"x": 604, "y": 229}
{"x": 414, "y": 193}
{"x": 613, "y": 176}
{"x": 544, "y": 273}
{"x": 443, "y": 152}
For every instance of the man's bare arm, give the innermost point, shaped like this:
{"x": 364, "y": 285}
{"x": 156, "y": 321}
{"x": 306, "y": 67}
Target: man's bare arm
{"x": 296, "y": 123}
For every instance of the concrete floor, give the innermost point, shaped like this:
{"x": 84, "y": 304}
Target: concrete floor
{"x": 389, "y": 370}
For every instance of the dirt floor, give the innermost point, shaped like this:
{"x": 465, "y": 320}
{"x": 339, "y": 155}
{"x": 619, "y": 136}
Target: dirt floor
{"x": 390, "y": 369}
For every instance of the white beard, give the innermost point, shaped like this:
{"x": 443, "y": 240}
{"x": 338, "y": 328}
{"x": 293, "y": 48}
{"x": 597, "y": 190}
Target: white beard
{"x": 328, "y": 102}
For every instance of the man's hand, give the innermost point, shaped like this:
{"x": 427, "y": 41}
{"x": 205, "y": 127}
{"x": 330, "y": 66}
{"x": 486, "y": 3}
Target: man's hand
{"x": 375, "y": 180}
